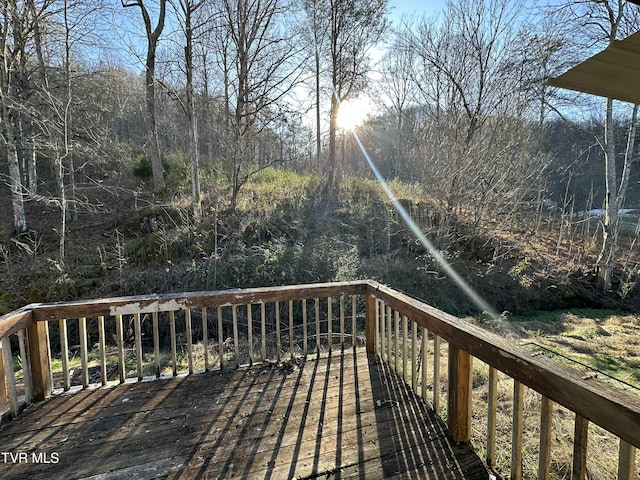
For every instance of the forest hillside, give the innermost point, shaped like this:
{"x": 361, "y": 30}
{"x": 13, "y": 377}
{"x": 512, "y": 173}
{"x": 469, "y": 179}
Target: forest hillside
{"x": 289, "y": 228}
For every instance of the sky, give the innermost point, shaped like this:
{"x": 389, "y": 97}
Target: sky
{"x": 400, "y": 7}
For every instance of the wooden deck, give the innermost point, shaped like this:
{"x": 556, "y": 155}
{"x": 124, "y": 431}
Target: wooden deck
{"x": 340, "y": 416}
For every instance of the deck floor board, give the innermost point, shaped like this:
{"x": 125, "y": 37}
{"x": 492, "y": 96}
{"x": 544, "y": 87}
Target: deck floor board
{"x": 318, "y": 420}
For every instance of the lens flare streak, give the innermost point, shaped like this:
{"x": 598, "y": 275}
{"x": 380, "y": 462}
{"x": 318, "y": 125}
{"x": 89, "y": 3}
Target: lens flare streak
{"x": 435, "y": 254}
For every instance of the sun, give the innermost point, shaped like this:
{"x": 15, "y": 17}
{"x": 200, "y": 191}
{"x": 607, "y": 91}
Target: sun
{"x": 353, "y": 113}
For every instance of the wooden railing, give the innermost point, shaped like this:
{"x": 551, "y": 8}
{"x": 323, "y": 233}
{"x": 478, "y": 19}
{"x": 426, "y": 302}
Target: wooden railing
{"x": 137, "y": 337}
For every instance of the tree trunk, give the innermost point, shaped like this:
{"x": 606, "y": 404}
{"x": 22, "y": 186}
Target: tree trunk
{"x": 19, "y": 217}
{"x": 193, "y": 128}
{"x": 153, "y": 35}
{"x": 156, "y": 159}
{"x": 610, "y": 224}
{"x": 333, "y": 123}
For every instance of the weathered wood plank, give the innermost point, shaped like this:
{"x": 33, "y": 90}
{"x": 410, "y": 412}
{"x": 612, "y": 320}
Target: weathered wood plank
{"x": 189, "y": 339}
{"x": 347, "y": 414}
{"x": 492, "y": 404}
{"x": 103, "y": 350}
{"x": 580, "y": 440}
{"x": 174, "y": 342}
{"x": 84, "y": 351}
{"x": 517, "y": 430}
{"x": 546, "y": 422}
{"x": 370, "y": 323}
{"x": 626, "y": 461}
{"x": 64, "y": 353}
{"x": 182, "y": 301}
{"x": 137, "y": 327}
{"x": 205, "y": 337}
{"x": 16, "y": 320}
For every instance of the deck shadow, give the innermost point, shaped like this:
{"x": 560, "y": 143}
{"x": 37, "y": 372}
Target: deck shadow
{"x": 344, "y": 415}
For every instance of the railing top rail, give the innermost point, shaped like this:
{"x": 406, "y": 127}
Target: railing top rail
{"x": 183, "y": 301}
{"x": 614, "y": 410}
{"x": 16, "y": 320}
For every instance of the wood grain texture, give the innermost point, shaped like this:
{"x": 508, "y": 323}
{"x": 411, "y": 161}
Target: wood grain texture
{"x": 346, "y": 416}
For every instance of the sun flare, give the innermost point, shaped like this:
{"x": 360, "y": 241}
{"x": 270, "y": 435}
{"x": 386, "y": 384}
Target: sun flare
{"x": 352, "y": 114}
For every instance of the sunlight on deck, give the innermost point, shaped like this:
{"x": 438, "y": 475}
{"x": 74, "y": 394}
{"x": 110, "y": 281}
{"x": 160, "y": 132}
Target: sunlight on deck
{"x": 341, "y": 416}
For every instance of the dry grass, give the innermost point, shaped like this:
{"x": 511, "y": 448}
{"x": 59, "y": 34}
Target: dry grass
{"x": 607, "y": 345}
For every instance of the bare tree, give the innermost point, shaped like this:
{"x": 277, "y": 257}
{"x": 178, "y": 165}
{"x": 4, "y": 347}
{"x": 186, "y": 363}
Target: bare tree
{"x": 399, "y": 92}
{"x": 12, "y": 47}
{"x": 153, "y": 36}
{"x": 317, "y": 26}
{"x": 475, "y": 144}
{"x": 261, "y": 62}
{"x": 354, "y": 28}
{"x": 596, "y": 24}
{"x": 187, "y": 10}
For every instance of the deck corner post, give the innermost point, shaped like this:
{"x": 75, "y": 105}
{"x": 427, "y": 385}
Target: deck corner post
{"x": 40, "y": 365}
{"x": 459, "y": 398}
{"x": 370, "y": 323}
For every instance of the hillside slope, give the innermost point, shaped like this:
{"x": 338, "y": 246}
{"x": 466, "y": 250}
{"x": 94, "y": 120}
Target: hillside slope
{"x": 290, "y": 228}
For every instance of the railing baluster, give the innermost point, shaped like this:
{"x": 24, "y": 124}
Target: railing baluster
{"x": 187, "y": 319}
{"x": 250, "y": 333}
{"x": 405, "y": 336}
{"x": 425, "y": 337}
{"x": 102, "y": 350}
{"x": 174, "y": 348}
{"x": 436, "y": 373}
{"x": 517, "y": 429}
{"x": 64, "y": 354}
{"x": 291, "y": 339}
{"x": 12, "y": 393}
{"x": 626, "y": 461}
{"x": 137, "y": 327}
{"x": 120, "y": 339}
{"x": 84, "y": 354}
{"x": 278, "y": 345}
{"x": 220, "y": 339}
{"x": 396, "y": 353}
{"x": 305, "y": 345}
{"x": 414, "y": 357}
{"x": 378, "y": 334}
{"x": 156, "y": 343}
{"x": 370, "y": 325}
{"x": 330, "y": 322}
{"x": 580, "y": 440}
{"x": 342, "y": 321}
{"x": 317, "y": 313}
{"x": 390, "y": 335}
{"x": 47, "y": 358}
{"x": 26, "y": 366}
{"x": 263, "y": 326}
{"x": 205, "y": 338}
{"x": 236, "y": 339}
{"x": 544, "y": 458}
{"x": 383, "y": 322}
{"x": 354, "y": 324}
{"x": 492, "y": 404}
